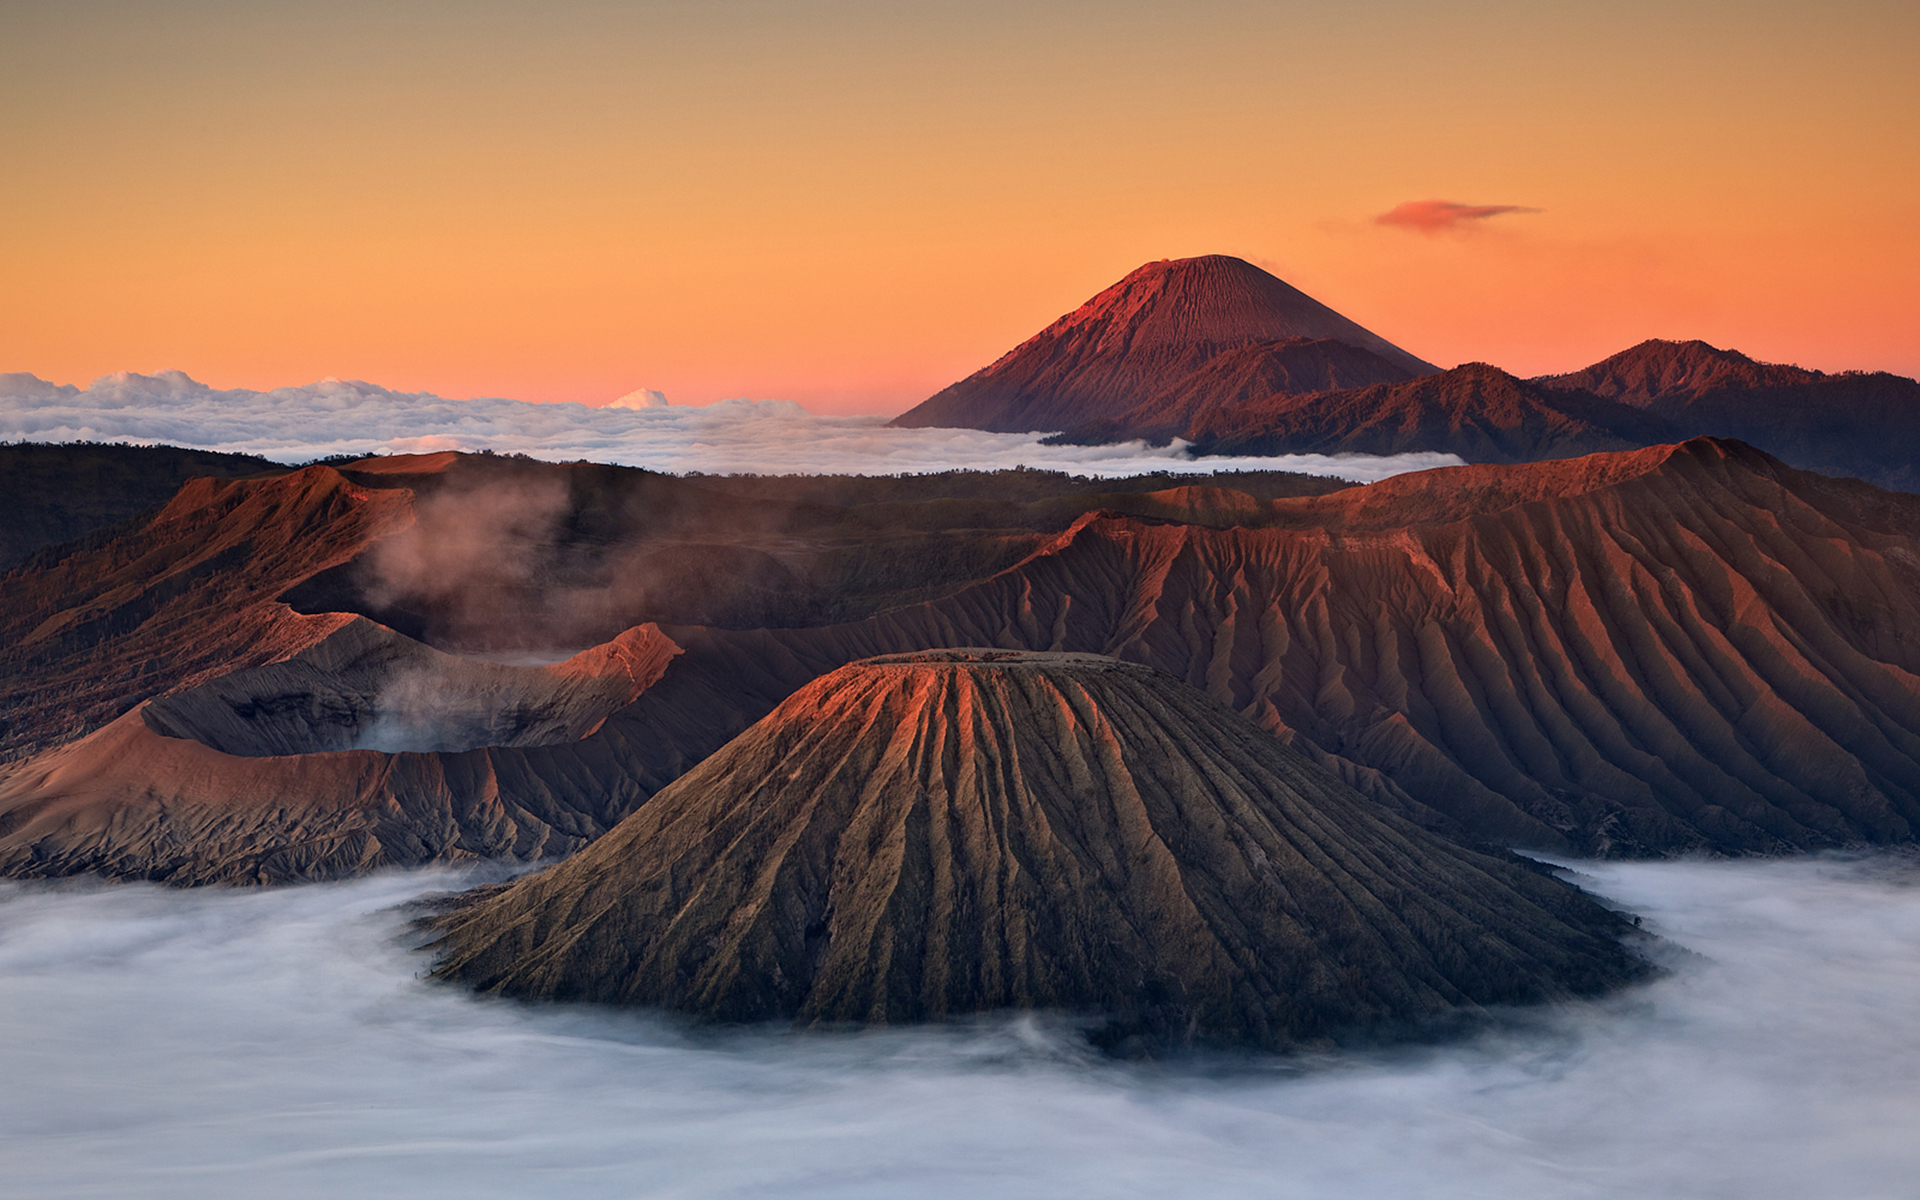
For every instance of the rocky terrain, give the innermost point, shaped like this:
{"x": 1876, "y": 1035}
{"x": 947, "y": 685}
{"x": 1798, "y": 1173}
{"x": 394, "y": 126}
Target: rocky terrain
{"x": 923, "y": 836}
{"x": 1682, "y": 648}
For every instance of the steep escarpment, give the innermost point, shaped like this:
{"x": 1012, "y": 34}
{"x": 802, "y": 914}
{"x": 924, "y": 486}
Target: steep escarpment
{"x": 188, "y": 595}
{"x": 924, "y": 836}
{"x": 1676, "y": 648}
{"x": 1147, "y": 335}
{"x": 1671, "y": 649}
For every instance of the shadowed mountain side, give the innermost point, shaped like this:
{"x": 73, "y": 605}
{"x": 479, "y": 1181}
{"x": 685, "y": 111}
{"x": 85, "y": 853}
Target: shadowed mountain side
{"x": 89, "y": 631}
{"x": 147, "y": 798}
{"x": 926, "y": 836}
{"x": 495, "y": 553}
{"x": 57, "y": 493}
{"x": 1863, "y": 424}
{"x": 1247, "y": 373}
{"x": 1691, "y": 647}
{"x": 1866, "y": 426}
{"x": 1478, "y": 412}
{"x": 1655, "y": 371}
{"x": 1143, "y": 336}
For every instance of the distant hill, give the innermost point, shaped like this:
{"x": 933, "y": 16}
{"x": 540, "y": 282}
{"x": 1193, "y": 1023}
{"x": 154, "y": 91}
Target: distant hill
{"x": 58, "y": 492}
{"x": 1851, "y": 423}
{"x": 1145, "y": 336}
{"x": 1656, "y": 372}
{"x": 1476, "y": 411}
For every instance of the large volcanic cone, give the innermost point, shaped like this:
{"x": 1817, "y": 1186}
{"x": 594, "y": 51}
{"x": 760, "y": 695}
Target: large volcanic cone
{"x": 925, "y": 835}
{"x": 1144, "y": 339}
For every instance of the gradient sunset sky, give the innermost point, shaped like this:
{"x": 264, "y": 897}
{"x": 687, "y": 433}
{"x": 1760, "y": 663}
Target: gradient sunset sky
{"x": 854, "y": 204}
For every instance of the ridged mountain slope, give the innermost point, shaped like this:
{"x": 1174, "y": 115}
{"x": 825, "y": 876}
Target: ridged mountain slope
{"x": 1686, "y": 647}
{"x": 1476, "y": 411}
{"x": 1656, "y": 370}
{"x": 1143, "y": 336}
{"x": 925, "y": 836}
{"x": 1858, "y": 423}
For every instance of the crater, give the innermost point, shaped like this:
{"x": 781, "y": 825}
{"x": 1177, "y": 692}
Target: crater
{"x": 367, "y": 687}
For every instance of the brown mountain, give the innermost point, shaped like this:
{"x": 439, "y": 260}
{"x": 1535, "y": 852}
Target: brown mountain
{"x": 59, "y": 492}
{"x": 1687, "y": 647}
{"x": 1864, "y": 424}
{"x": 1476, "y": 411}
{"x": 1656, "y": 372}
{"x": 923, "y": 836}
{"x": 1253, "y": 372}
{"x": 1147, "y": 334}
{"x": 189, "y": 696}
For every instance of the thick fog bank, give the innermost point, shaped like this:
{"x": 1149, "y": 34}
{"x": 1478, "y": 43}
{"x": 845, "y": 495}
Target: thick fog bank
{"x": 767, "y": 437}
{"x": 279, "y": 1043}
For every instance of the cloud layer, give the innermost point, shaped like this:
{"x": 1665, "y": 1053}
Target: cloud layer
{"x": 1441, "y": 216}
{"x": 280, "y": 1042}
{"x": 297, "y": 424}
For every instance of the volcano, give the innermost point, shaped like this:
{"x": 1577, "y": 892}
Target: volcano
{"x": 1657, "y": 372}
{"x": 1143, "y": 337}
{"x": 922, "y": 836}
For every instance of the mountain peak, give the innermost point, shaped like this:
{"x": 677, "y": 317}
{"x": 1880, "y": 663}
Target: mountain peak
{"x": 1657, "y": 370}
{"x": 925, "y": 835}
{"x": 1140, "y": 337}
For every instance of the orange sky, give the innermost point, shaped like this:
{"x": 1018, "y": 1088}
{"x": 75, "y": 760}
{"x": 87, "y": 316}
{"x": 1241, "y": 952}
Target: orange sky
{"x": 852, "y": 205}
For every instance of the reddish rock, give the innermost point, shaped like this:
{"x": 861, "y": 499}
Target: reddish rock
{"x": 1146, "y": 336}
{"x": 925, "y": 836}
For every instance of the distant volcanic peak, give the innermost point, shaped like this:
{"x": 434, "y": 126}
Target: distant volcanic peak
{"x": 1657, "y": 370}
{"x": 921, "y": 836}
{"x": 1216, "y": 300}
{"x": 1136, "y": 339}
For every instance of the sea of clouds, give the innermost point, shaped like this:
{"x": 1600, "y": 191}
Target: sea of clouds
{"x": 283, "y": 1043}
{"x": 299, "y": 424}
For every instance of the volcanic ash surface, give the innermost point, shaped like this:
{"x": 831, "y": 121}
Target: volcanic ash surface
{"x": 922, "y": 836}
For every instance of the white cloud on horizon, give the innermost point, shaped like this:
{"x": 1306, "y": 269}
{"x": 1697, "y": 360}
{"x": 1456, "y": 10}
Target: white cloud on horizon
{"x": 297, "y": 424}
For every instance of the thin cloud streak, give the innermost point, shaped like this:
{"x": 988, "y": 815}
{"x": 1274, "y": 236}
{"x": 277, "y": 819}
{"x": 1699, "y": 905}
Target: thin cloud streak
{"x": 1443, "y": 216}
{"x": 772, "y": 437}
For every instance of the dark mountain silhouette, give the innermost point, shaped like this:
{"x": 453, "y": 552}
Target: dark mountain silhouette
{"x": 1145, "y": 335}
{"x": 924, "y": 836}
{"x": 1476, "y": 411}
{"x": 57, "y": 493}
{"x": 1864, "y": 424}
{"x": 1656, "y": 372}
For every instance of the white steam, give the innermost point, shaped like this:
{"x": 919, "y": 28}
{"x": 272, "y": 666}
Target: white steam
{"x": 772, "y": 437}
{"x": 280, "y": 1043}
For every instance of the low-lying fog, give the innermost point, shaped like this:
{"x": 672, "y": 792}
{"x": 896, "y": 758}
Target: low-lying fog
{"x": 280, "y": 1043}
{"x": 767, "y": 437}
